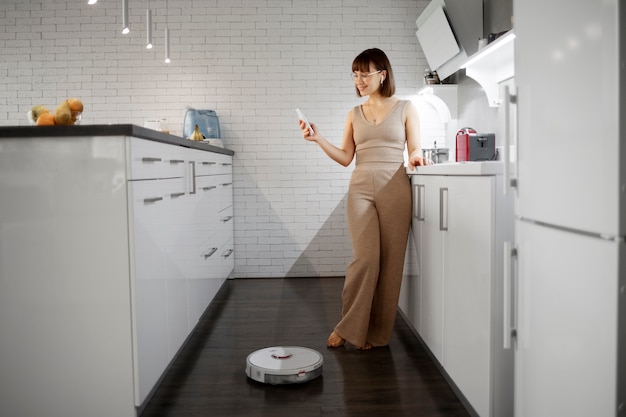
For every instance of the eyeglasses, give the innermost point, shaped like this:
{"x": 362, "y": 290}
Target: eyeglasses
{"x": 356, "y": 76}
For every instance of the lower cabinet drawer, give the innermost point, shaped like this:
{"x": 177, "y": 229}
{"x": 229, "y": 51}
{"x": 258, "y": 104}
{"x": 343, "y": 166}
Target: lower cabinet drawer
{"x": 208, "y": 163}
{"x": 225, "y": 190}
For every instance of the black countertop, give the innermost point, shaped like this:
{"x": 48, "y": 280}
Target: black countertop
{"x": 7, "y": 132}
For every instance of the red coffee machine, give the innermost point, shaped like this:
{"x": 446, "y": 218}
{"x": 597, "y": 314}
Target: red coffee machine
{"x": 472, "y": 146}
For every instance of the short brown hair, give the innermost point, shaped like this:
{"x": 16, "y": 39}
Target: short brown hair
{"x": 379, "y": 60}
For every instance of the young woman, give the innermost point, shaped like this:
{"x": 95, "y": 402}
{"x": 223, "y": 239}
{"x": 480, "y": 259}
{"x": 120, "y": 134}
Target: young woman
{"x": 379, "y": 200}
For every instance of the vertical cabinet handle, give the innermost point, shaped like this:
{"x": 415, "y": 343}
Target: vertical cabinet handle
{"x": 443, "y": 209}
{"x": 192, "y": 166}
{"x": 507, "y": 290}
{"x": 418, "y": 202}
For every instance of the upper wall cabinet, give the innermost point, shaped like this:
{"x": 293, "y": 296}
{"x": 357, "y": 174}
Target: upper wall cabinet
{"x": 492, "y": 65}
{"x": 448, "y": 32}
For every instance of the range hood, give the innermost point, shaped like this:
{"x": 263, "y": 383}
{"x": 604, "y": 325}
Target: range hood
{"x": 448, "y": 32}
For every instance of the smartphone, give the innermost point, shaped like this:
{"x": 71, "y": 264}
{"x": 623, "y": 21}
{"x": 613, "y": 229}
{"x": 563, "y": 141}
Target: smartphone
{"x": 302, "y": 117}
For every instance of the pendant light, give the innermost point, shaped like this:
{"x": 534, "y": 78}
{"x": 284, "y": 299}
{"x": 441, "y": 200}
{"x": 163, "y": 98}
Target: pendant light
{"x": 125, "y": 27}
{"x": 167, "y": 46}
{"x": 149, "y": 29}
{"x": 167, "y": 36}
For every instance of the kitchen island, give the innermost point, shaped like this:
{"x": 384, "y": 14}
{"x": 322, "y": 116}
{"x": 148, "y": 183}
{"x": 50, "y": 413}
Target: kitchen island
{"x": 453, "y": 283}
{"x": 113, "y": 241}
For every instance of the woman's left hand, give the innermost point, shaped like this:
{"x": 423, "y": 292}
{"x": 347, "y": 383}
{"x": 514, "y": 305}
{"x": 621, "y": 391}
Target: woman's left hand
{"x": 417, "y": 161}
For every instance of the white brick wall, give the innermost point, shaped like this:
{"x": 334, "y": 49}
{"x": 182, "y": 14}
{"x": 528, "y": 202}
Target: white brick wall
{"x": 253, "y": 61}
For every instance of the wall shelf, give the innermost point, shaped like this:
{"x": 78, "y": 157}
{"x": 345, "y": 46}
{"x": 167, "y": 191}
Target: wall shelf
{"x": 443, "y": 97}
{"x": 492, "y": 65}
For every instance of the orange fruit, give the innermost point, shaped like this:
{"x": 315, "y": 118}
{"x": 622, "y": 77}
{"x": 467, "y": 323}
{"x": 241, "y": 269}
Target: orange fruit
{"x": 75, "y": 105}
{"x": 45, "y": 119}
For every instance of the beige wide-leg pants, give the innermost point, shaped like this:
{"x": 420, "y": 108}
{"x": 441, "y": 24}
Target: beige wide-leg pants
{"x": 379, "y": 218}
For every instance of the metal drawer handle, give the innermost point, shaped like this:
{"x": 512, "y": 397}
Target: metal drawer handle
{"x": 192, "y": 165}
{"x": 226, "y": 184}
{"x": 417, "y": 202}
{"x": 228, "y": 253}
{"x": 209, "y": 188}
{"x": 152, "y": 199}
{"x": 208, "y": 163}
{"x": 226, "y": 164}
{"x": 174, "y": 195}
{"x": 150, "y": 159}
{"x": 176, "y": 161}
{"x": 227, "y": 218}
{"x": 211, "y": 252}
{"x": 443, "y": 209}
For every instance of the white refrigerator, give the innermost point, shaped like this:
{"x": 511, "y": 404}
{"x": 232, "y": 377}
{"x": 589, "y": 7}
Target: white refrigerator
{"x": 568, "y": 286}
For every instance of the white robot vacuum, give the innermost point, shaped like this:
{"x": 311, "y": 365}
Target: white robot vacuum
{"x": 284, "y": 365}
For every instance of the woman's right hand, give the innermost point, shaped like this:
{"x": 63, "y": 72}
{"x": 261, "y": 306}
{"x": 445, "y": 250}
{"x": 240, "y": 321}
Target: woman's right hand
{"x": 305, "y": 131}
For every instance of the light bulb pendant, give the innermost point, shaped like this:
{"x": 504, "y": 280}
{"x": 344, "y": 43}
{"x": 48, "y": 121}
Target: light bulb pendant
{"x": 167, "y": 46}
{"x": 148, "y": 29}
{"x": 125, "y": 28}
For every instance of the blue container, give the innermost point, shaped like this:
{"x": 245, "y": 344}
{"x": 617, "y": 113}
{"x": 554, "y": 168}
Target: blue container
{"x": 207, "y": 121}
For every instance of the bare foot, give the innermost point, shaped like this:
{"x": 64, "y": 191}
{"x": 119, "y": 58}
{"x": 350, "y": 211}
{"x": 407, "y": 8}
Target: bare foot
{"x": 334, "y": 340}
{"x": 366, "y": 347}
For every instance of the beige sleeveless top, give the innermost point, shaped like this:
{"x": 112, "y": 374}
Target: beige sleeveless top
{"x": 383, "y": 142}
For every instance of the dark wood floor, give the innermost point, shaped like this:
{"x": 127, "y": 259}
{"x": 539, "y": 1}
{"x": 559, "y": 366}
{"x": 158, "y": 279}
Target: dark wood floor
{"x": 208, "y": 377}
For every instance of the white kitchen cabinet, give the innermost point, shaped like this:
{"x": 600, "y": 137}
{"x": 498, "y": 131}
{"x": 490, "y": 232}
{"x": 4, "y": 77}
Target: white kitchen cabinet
{"x": 95, "y": 267}
{"x": 459, "y": 225}
{"x": 155, "y": 289}
{"x": 65, "y": 311}
{"x": 207, "y": 231}
{"x": 468, "y": 260}
{"x": 175, "y": 197}
{"x": 429, "y": 241}
{"x": 226, "y": 219}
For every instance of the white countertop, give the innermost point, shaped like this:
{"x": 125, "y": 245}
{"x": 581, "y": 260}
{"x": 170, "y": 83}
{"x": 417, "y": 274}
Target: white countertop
{"x": 460, "y": 168}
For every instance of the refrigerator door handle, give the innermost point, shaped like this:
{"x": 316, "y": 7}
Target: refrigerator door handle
{"x": 509, "y": 331}
{"x": 508, "y": 99}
